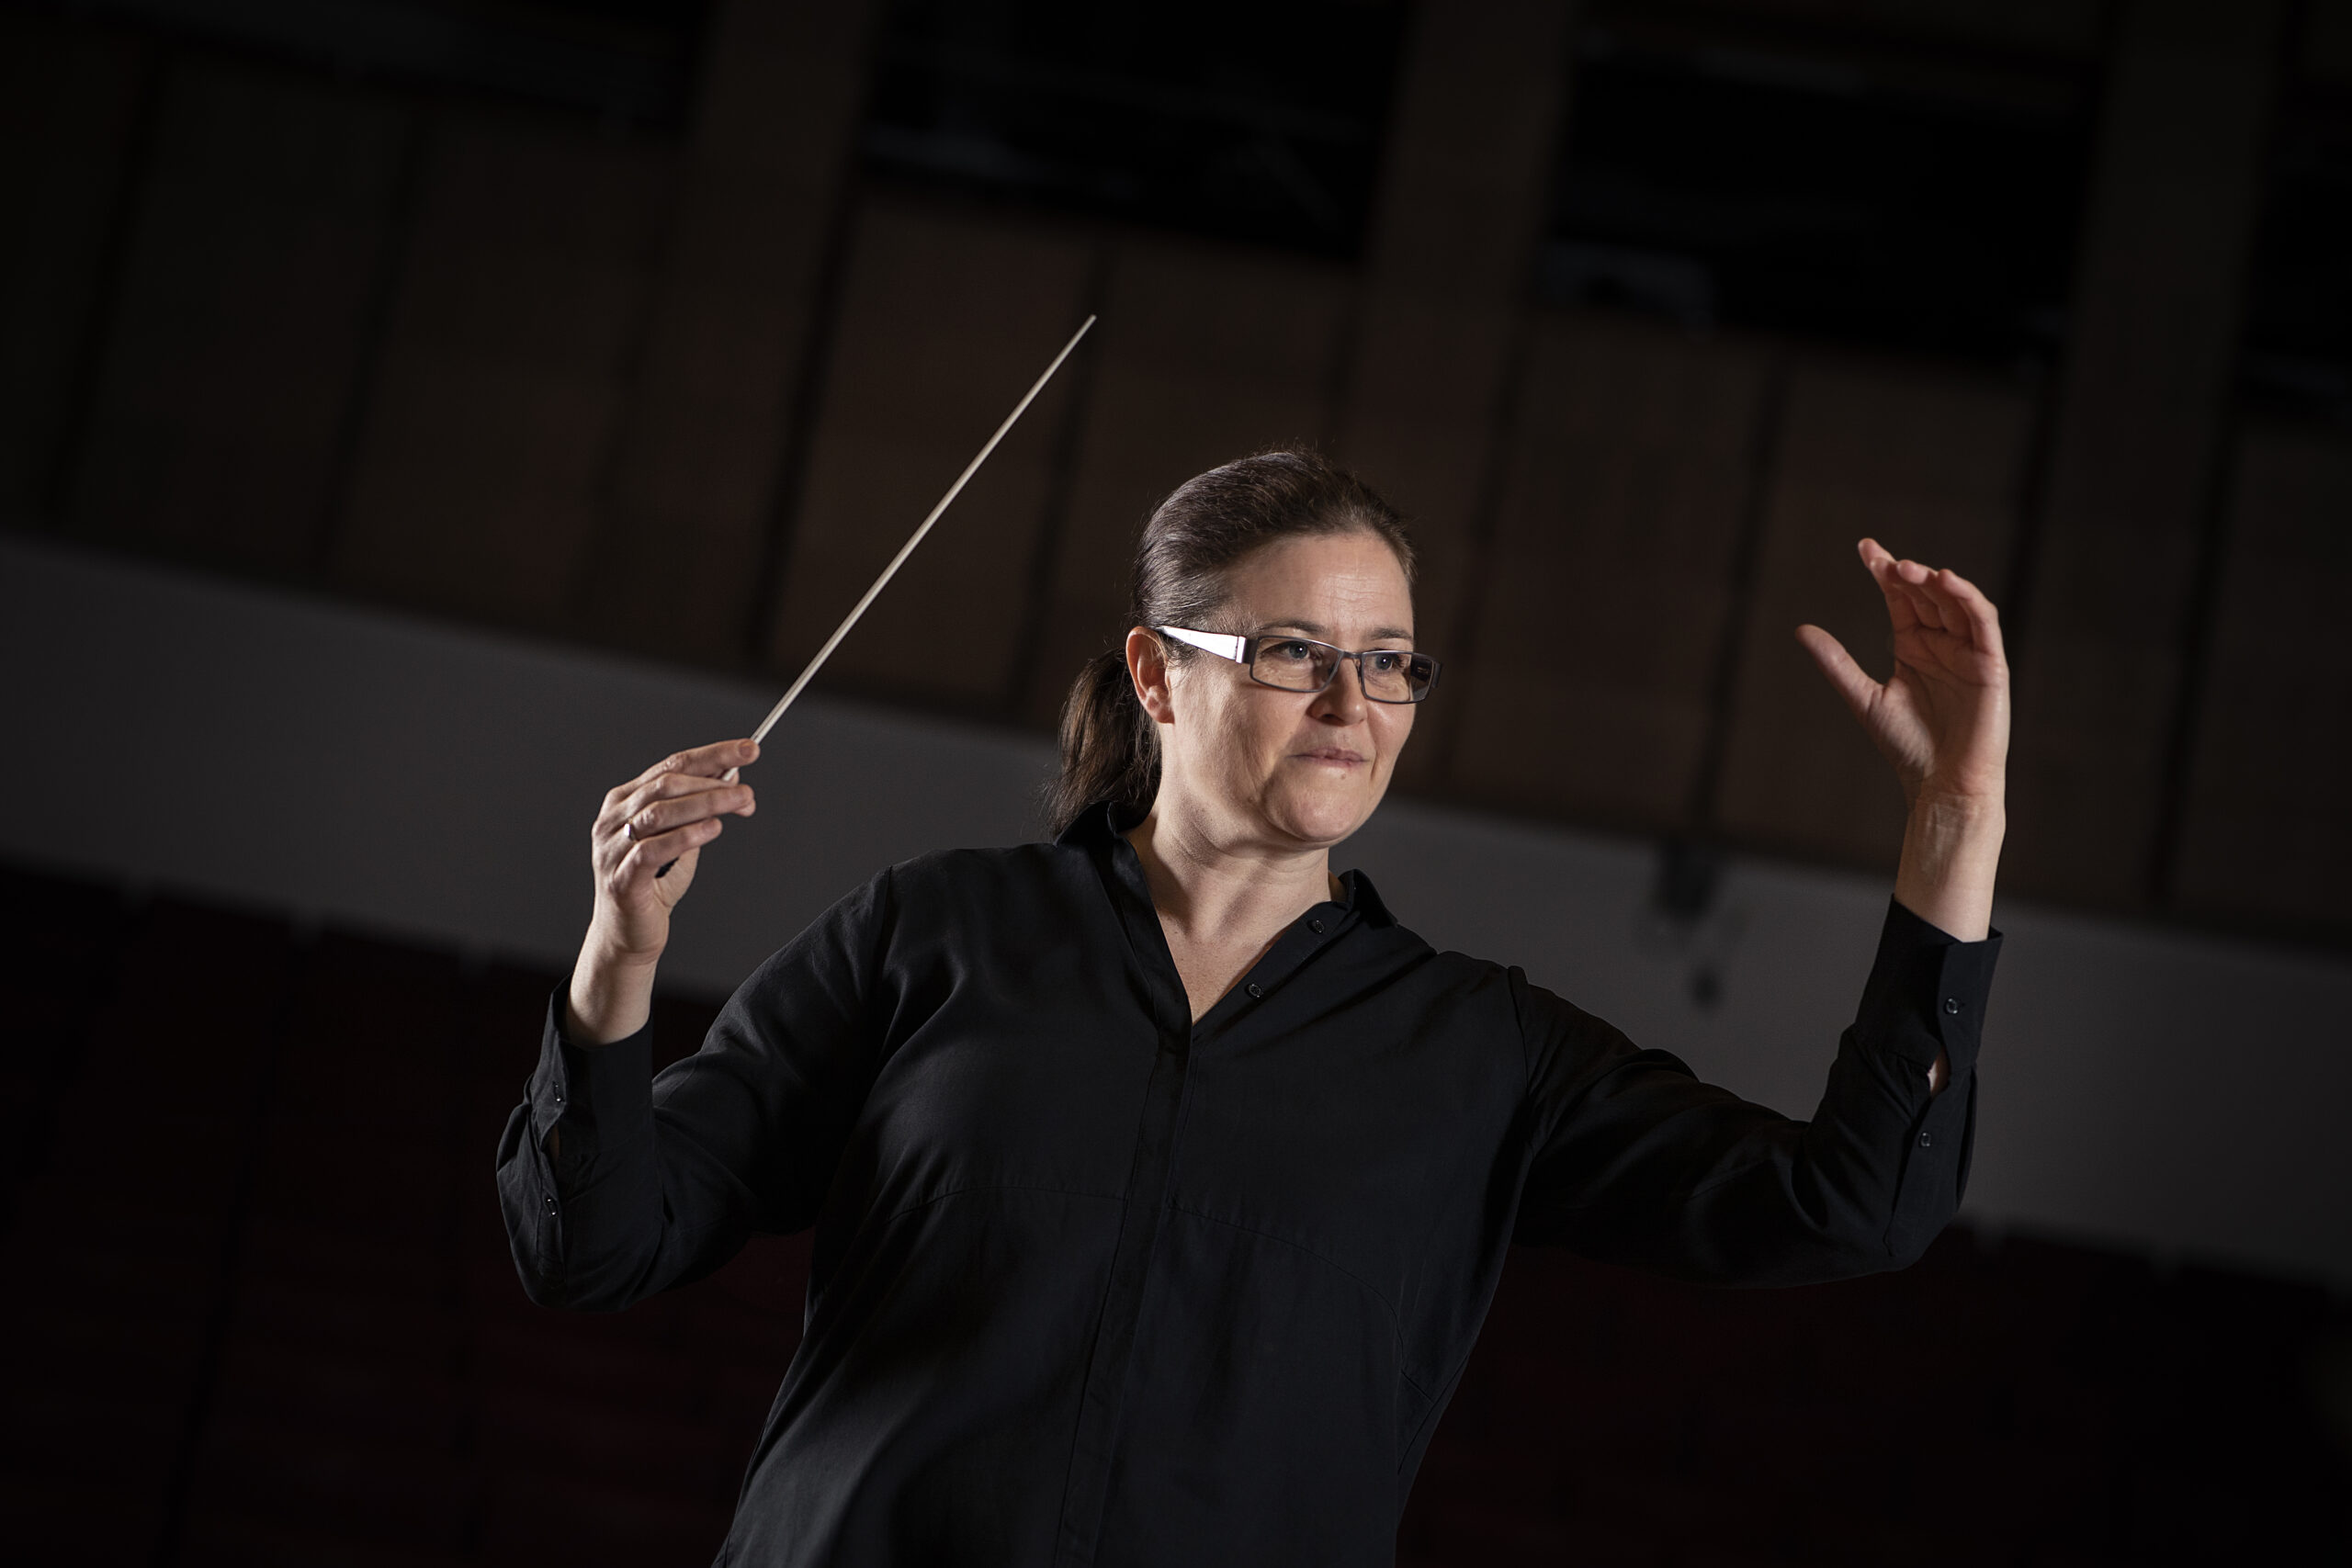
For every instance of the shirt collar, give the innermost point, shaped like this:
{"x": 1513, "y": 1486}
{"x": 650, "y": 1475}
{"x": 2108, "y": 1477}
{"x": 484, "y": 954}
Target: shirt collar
{"x": 1094, "y": 825}
{"x": 1103, "y": 823}
{"x": 1363, "y": 898}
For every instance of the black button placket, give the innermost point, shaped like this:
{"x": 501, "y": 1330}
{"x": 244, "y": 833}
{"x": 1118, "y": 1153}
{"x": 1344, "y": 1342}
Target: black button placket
{"x": 1094, "y": 1446}
{"x": 1110, "y": 1369}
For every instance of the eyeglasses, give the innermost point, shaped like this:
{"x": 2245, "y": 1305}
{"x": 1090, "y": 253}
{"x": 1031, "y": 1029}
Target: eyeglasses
{"x": 1302, "y": 664}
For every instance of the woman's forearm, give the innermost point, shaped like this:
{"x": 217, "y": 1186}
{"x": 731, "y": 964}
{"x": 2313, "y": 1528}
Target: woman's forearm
{"x": 1951, "y": 850}
{"x": 611, "y": 995}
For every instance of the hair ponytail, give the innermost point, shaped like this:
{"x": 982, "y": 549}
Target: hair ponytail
{"x": 1110, "y": 750}
{"x": 1110, "y": 746}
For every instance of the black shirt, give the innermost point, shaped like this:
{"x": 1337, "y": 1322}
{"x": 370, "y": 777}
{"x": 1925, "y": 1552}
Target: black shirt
{"x": 1093, "y": 1283}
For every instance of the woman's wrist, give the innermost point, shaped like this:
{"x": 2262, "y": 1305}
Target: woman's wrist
{"x": 1951, "y": 853}
{"x": 611, "y": 994}
{"x": 1950, "y": 811}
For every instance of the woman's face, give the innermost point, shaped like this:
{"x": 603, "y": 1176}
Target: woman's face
{"x": 1284, "y": 768}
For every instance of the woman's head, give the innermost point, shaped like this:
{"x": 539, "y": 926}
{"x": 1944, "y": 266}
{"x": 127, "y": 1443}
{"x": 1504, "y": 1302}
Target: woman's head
{"x": 1283, "y": 542}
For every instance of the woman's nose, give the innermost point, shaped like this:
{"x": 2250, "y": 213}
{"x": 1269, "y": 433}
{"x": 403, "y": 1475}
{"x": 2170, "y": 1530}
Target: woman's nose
{"x": 1343, "y": 699}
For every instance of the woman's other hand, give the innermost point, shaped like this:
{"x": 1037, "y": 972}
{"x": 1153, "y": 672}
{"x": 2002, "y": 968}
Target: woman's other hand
{"x": 645, "y": 845}
{"x": 1942, "y": 717}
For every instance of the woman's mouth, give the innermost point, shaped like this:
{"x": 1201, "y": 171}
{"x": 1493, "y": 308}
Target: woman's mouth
{"x": 1339, "y": 754}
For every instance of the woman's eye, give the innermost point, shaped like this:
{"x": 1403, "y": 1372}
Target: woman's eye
{"x": 1389, "y": 664}
{"x": 1297, "y": 651}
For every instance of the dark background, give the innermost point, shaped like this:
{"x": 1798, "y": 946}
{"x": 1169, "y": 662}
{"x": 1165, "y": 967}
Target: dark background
{"x": 649, "y": 328}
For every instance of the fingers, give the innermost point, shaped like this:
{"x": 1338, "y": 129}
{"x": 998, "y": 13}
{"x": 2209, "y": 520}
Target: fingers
{"x": 702, "y": 761}
{"x": 658, "y": 821}
{"x": 647, "y": 858}
{"x": 681, "y": 772}
{"x": 714, "y": 758}
{"x": 1852, "y": 683}
{"x": 1902, "y": 605}
{"x": 670, "y": 811}
{"x": 1911, "y": 580}
{"x": 672, "y": 800}
{"x": 1929, "y": 596}
{"x": 1967, "y": 611}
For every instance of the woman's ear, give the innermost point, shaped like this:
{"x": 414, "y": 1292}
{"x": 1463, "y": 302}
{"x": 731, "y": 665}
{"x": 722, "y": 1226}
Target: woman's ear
{"x": 1148, "y": 667}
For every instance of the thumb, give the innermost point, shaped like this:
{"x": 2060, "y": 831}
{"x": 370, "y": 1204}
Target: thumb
{"x": 1839, "y": 667}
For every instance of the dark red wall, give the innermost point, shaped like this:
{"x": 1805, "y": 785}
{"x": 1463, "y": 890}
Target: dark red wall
{"x": 260, "y": 1312}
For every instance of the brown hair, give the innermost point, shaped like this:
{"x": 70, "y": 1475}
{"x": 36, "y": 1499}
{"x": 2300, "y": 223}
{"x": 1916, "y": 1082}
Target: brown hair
{"x": 1110, "y": 746}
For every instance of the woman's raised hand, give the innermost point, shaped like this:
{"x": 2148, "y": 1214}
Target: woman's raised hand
{"x": 1942, "y": 717}
{"x": 662, "y": 818}
{"x": 645, "y": 844}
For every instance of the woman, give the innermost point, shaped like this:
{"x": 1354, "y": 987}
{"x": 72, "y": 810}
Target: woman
{"x": 1160, "y": 1177}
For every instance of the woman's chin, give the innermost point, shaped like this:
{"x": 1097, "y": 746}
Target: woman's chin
{"x": 1323, "y": 811}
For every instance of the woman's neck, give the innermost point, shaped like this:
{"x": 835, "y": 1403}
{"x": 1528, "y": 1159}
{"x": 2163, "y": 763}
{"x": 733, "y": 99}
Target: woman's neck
{"x": 1226, "y": 892}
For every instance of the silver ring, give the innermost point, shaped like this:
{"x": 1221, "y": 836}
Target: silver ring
{"x": 630, "y": 828}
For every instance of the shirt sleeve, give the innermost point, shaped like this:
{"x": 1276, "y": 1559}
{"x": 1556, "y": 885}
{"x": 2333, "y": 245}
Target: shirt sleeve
{"x": 1632, "y": 1160}
{"x": 663, "y": 1178}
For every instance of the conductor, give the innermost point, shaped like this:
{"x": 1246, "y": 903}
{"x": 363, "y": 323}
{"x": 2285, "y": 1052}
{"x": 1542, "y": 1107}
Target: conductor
{"x": 1160, "y": 1177}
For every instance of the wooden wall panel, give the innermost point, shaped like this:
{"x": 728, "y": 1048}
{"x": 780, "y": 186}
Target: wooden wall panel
{"x": 677, "y": 564}
{"x": 2325, "y": 50}
{"x": 1207, "y": 354}
{"x": 2150, "y": 353}
{"x": 1929, "y": 464}
{"x": 242, "y": 324}
{"x": 945, "y": 322}
{"x": 1605, "y": 595}
{"x": 69, "y": 117}
{"x": 1463, "y": 187}
{"x": 2070, "y": 27}
{"x": 2265, "y": 837}
{"x": 522, "y": 296}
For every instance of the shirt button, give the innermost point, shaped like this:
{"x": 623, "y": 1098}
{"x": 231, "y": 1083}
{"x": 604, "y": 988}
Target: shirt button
{"x": 1315, "y": 926}
{"x": 1256, "y": 989}
{"x": 1926, "y": 1139}
{"x": 1952, "y": 1004}
{"x": 550, "y": 1202}
{"x": 558, "y": 1097}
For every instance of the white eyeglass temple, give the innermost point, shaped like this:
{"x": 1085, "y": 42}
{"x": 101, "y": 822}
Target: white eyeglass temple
{"x": 1226, "y": 645}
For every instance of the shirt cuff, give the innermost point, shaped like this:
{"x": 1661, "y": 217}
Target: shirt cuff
{"x": 599, "y": 1095}
{"x": 1927, "y": 992}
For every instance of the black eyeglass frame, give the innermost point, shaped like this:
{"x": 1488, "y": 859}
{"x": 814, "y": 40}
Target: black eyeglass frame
{"x": 1243, "y": 649}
